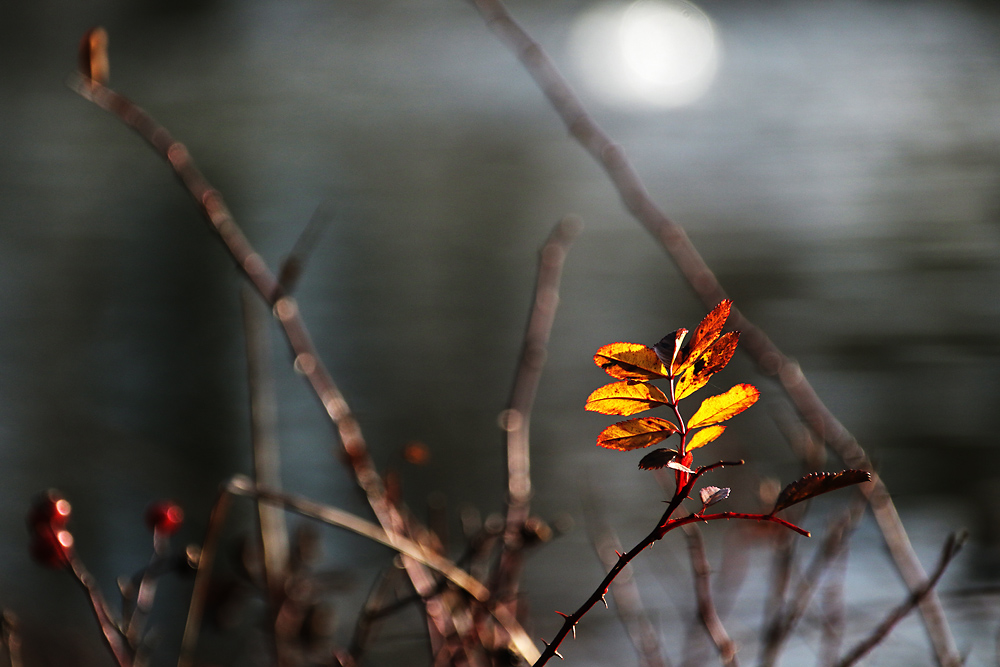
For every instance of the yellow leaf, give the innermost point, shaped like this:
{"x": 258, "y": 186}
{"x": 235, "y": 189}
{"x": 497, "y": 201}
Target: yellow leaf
{"x": 714, "y": 359}
{"x": 625, "y": 398}
{"x": 706, "y": 334}
{"x": 636, "y": 433}
{"x": 630, "y": 361}
{"x": 704, "y": 436}
{"x": 720, "y": 408}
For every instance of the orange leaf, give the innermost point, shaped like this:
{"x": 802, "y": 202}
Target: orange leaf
{"x": 816, "y": 483}
{"x": 636, "y": 433}
{"x": 714, "y": 359}
{"x": 630, "y": 361}
{"x": 706, "y": 334}
{"x": 720, "y": 408}
{"x": 625, "y": 398}
{"x": 704, "y": 436}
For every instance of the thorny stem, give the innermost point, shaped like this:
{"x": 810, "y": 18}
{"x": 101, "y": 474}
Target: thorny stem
{"x": 664, "y": 526}
{"x": 769, "y": 358}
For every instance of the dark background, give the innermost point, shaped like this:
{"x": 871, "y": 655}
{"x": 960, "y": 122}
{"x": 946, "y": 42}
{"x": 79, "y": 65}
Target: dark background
{"x": 842, "y": 177}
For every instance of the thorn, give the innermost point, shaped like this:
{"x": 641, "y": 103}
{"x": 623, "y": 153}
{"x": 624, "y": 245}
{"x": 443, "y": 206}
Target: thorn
{"x": 574, "y": 630}
{"x": 619, "y": 553}
{"x": 558, "y": 655}
{"x": 605, "y": 601}
{"x": 562, "y": 614}
{"x": 543, "y": 641}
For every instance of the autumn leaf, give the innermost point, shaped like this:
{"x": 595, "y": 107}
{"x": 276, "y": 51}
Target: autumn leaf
{"x": 711, "y": 495}
{"x": 713, "y": 360}
{"x": 658, "y": 459}
{"x": 630, "y": 361}
{"x": 636, "y": 433}
{"x": 704, "y": 436}
{"x": 625, "y": 398}
{"x": 724, "y": 406}
{"x": 706, "y": 334}
{"x": 818, "y": 483}
{"x": 669, "y": 347}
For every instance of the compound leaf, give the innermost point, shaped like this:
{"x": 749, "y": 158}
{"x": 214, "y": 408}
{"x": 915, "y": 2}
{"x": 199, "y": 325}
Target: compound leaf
{"x": 818, "y": 483}
{"x": 704, "y": 436}
{"x": 724, "y": 406}
{"x": 630, "y": 361}
{"x": 636, "y": 433}
{"x": 713, "y": 360}
{"x": 658, "y": 459}
{"x": 706, "y": 334}
{"x": 625, "y": 398}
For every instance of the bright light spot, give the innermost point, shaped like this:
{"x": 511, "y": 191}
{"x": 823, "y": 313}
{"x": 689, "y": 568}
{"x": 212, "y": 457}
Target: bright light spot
{"x": 653, "y": 52}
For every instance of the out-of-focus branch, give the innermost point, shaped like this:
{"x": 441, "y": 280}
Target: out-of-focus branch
{"x": 625, "y": 591}
{"x": 293, "y": 265}
{"x": 242, "y": 486}
{"x": 771, "y": 361}
{"x": 703, "y": 594}
{"x": 516, "y": 419}
{"x": 285, "y": 309}
{"x": 950, "y": 550}
{"x": 10, "y": 637}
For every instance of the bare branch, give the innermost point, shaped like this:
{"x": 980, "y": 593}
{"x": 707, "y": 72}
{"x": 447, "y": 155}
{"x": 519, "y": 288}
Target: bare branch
{"x": 10, "y": 638}
{"x": 293, "y": 265}
{"x": 706, "y": 286}
{"x": 951, "y": 548}
{"x": 701, "y": 571}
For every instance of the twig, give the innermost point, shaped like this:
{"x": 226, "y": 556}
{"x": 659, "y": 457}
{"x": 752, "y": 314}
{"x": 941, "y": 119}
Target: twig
{"x": 10, "y": 636}
{"x": 628, "y": 601}
{"x": 293, "y": 265}
{"x": 703, "y": 282}
{"x": 286, "y": 310}
{"x": 374, "y": 604}
{"x": 112, "y": 634}
{"x": 834, "y": 613}
{"x": 202, "y": 577}
{"x": 517, "y": 416}
{"x": 785, "y": 617}
{"x": 266, "y": 455}
{"x": 951, "y": 548}
{"x": 703, "y": 593}
{"x": 664, "y": 526}
{"x": 242, "y": 486}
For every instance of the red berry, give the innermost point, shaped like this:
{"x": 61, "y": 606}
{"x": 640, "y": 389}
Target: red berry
{"x": 50, "y": 509}
{"x": 164, "y": 517}
{"x": 52, "y": 548}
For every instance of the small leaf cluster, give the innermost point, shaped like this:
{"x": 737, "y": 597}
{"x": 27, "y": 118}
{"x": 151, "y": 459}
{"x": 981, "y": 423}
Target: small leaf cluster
{"x": 686, "y": 368}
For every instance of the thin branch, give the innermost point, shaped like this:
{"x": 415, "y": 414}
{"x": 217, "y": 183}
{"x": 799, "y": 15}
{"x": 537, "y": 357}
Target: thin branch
{"x": 628, "y": 601}
{"x": 951, "y": 548}
{"x": 10, "y": 636}
{"x": 834, "y": 612}
{"x": 703, "y": 593}
{"x": 769, "y": 358}
{"x": 242, "y": 486}
{"x": 293, "y": 265}
{"x": 785, "y": 618}
{"x": 110, "y": 631}
{"x": 202, "y": 577}
{"x": 266, "y": 455}
{"x": 284, "y": 307}
{"x": 517, "y": 418}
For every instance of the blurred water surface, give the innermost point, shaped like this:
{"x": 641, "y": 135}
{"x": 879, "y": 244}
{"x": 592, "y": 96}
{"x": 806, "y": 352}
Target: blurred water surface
{"x": 842, "y": 177}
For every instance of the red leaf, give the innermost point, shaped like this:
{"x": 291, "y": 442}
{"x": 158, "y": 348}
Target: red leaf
{"x": 818, "y": 483}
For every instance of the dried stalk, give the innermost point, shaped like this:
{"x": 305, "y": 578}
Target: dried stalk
{"x": 286, "y": 310}
{"x": 769, "y": 358}
{"x": 112, "y": 634}
{"x": 703, "y": 593}
{"x": 517, "y": 417}
{"x": 625, "y": 591}
{"x": 10, "y": 637}
{"x": 950, "y": 550}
